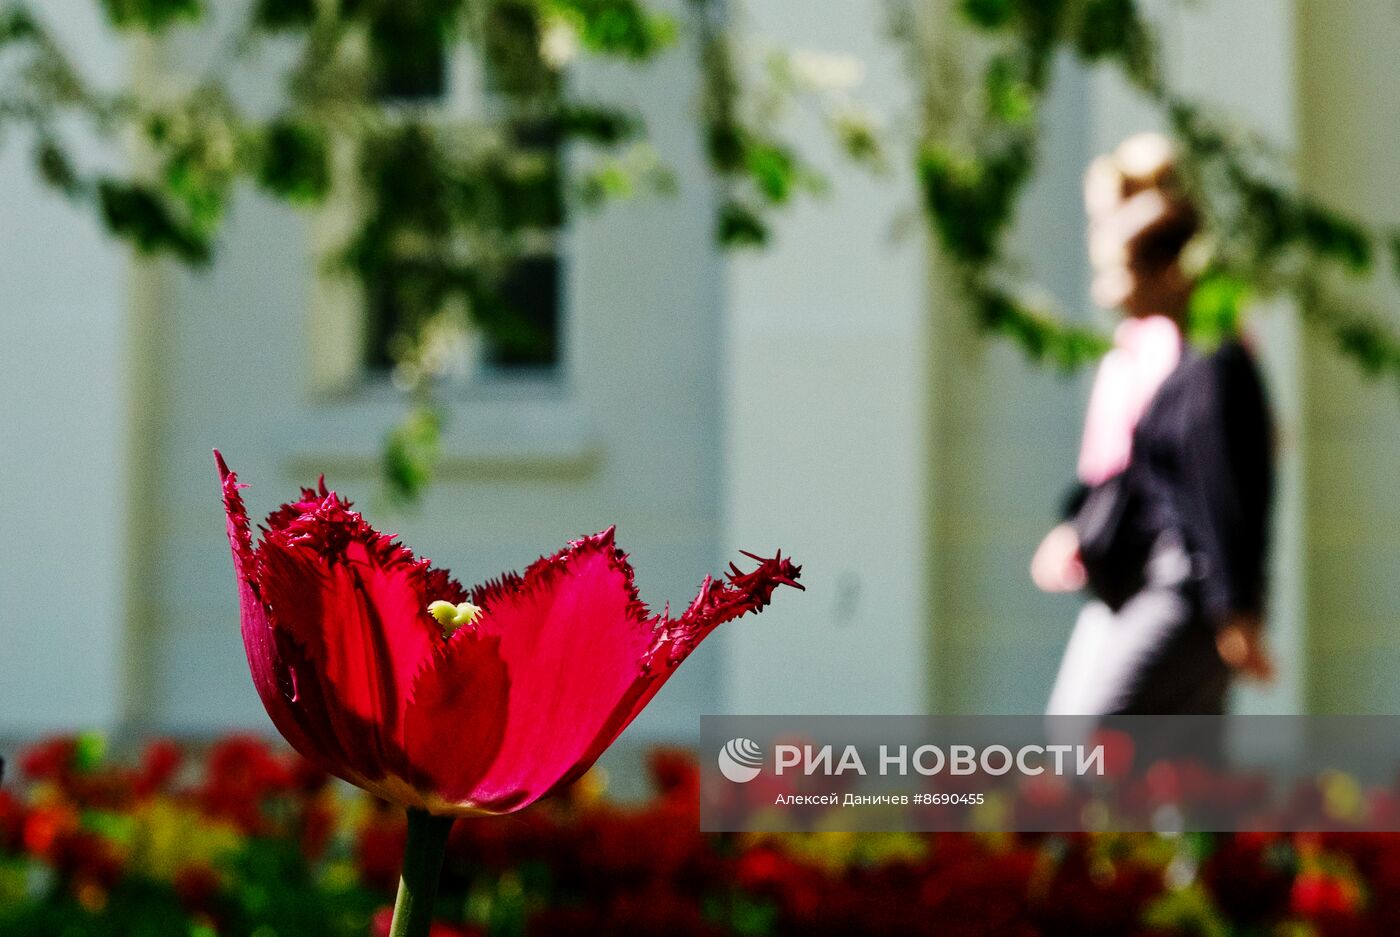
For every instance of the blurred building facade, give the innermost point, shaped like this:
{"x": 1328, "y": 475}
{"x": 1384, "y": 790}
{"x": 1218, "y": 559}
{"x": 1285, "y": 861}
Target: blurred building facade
{"x": 826, "y": 396}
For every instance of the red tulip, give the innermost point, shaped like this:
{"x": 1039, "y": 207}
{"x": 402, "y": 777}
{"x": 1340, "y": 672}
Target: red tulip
{"x": 159, "y": 763}
{"x": 1318, "y": 894}
{"x": 453, "y": 701}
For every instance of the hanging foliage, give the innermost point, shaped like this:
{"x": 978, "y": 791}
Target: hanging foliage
{"x": 1261, "y": 237}
{"x": 452, "y": 205}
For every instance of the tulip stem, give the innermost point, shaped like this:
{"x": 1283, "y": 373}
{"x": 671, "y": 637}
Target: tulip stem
{"x": 422, "y": 868}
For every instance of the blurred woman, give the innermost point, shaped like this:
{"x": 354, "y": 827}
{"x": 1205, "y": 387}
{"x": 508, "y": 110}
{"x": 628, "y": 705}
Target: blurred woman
{"x": 1168, "y": 525}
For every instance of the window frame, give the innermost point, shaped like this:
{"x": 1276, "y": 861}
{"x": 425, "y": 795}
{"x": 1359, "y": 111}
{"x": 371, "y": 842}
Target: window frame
{"x": 504, "y": 422}
{"x": 337, "y": 365}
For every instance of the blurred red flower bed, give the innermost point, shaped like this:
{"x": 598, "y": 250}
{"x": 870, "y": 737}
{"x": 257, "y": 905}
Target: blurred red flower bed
{"x": 243, "y": 837}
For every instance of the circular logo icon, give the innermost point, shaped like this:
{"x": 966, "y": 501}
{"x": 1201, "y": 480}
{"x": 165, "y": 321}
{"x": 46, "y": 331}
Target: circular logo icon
{"x": 740, "y": 760}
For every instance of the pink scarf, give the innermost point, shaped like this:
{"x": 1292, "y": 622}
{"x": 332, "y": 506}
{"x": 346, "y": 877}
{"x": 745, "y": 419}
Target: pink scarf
{"x": 1144, "y": 352}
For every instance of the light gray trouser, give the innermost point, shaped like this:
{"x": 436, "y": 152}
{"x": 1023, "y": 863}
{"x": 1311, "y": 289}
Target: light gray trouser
{"x": 1155, "y": 655}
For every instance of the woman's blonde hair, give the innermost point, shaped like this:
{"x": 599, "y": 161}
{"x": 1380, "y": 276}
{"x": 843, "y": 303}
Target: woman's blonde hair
{"x": 1140, "y": 216}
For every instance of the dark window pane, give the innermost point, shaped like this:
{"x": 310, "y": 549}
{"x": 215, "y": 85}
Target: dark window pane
{"x": 410, "y": 59}
{"x": 519, "y": 314}
{"x": 511, "y": 49}
{"x": 530, "y": 297}
{"x": 384, "y": 321}
{"x": 518, "y": 311}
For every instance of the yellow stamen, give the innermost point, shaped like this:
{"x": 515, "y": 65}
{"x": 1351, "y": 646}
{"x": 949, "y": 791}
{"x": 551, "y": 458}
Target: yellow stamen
{"x": 451, "y": 617}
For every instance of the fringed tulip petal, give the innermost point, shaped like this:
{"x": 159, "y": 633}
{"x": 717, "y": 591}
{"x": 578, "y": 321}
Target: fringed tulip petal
{"x": 457, "y": 722}
{"x": 270, "y": 676}
{"x": 355, "y": 603}
{"x": 487, "y": 702}
{"x": 360, "y": 611}
{"x": 717, "y": 603}
{"x": 574, "y": 638}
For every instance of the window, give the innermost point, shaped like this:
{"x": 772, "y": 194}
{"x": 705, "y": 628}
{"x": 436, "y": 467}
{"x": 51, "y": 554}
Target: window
{"x": 515, "y": 302}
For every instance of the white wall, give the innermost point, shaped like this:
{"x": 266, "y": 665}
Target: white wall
{"x": 1008, "y": 432}
{"x": 63, "y": 433}
{"x": 826, "y": 386}
{"x": 1348, "y": 66}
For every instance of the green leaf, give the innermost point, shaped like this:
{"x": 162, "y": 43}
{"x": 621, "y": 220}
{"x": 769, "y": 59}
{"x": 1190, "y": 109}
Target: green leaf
{"x": 55, "y": 169}
{"x": 605, "y": 183}
{"x": 1010, "y": 99}
{"x": 596, "y": 123}
{"x": 724, "y": 144}
{"x": 1041, "y": 336}
{"x": 294, "y": 161}
{"x": 971, "y": 199}
{"x": 202, "y": 192}
{"x": 623, "y": 28}
{"x": 740, "y": 226}
{"x": 122, "y": 828}
{"x": 859, "y": 140}
{"x": 17, "y": 25}
{"x": 1216, "y": 308}
{"x": 1107, "y": 28}
{"x": 152, "y": 15}
{"x": 1188, "y": 910}
{"x": 284, "y": 15}
{"x": 773, "y": 169}
{"x": 988, "y": 14}
{"x": 409, "y": 44}
{"x": 411, "y": 453}
{"x": 1336, "y": 237}
{"x": 750, "y": 917}
{"x": 141, "y": 215}
{"x": 1371, "y": 349}
{"x": 88, "y": 752}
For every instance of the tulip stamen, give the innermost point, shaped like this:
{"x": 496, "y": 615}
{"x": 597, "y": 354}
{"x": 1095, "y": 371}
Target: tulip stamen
{"x": 451, "y": 617}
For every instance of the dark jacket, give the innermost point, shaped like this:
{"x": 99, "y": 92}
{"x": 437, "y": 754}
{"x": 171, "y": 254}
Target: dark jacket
{"x": 1201, "y": 467}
